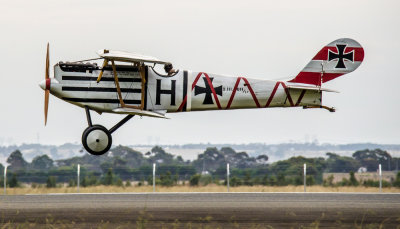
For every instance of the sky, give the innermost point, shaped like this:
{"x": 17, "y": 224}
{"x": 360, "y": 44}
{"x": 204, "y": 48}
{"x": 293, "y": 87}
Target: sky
{"x": 254, "y": 38}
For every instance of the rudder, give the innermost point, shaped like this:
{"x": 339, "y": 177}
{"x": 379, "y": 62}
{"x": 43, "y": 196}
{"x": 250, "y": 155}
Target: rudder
{"x": 336, "y": 59}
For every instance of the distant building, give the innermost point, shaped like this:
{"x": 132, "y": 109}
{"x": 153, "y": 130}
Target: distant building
{"x": 389, "y": 176}
{"x": 362, "y": 170}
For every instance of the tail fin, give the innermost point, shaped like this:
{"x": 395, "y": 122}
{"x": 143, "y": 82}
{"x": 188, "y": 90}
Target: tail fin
{"x": 336, "y": 59}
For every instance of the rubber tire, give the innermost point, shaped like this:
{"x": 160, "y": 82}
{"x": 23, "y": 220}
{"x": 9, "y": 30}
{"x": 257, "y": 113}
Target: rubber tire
{"x": 98, "y": 148}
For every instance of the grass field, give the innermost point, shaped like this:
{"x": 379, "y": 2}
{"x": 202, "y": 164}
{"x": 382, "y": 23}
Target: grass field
{"x": 187, "y": 188}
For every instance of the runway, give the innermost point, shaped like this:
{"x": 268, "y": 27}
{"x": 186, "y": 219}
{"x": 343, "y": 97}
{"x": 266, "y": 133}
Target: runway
{"x": 202, "y": 210}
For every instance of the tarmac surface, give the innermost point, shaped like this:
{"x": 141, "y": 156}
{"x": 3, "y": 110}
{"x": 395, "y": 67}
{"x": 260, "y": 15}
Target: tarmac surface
{"x": 201, "y": 210}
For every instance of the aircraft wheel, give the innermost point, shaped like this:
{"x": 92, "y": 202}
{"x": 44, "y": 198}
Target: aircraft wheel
{"x": 96, "y": 140}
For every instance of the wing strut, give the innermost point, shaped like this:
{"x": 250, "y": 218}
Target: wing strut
{"x": 121, "y": 101}
{"x": 105, "y": 63}
{"x": 142, "y": 71}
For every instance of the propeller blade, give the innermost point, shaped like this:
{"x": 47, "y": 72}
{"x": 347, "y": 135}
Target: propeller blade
{"x": 46, "y": 105}
{"x": 47, "y": 62}
{"x": 47, "y": 91}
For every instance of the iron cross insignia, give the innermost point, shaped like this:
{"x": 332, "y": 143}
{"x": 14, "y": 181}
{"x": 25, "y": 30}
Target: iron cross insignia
{"x": 207, "y": 90}
{"x": 340, "y": 55}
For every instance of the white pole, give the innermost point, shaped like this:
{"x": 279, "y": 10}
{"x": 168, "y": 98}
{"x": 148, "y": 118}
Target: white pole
{"x": 227, "y": 175}
{"x": 305, "y": 174}
{"x": 154, "y": 177}
{"x": 380, "y": 178}
{"x": 5, "y": 180}
{"x": 79, "y": 171}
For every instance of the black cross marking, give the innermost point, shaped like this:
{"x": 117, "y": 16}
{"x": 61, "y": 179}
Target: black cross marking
{"x": 201, "y": 90}
{"x": 341, "y": 56}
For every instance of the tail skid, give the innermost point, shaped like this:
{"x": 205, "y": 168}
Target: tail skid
{"x": 330, "y": 109}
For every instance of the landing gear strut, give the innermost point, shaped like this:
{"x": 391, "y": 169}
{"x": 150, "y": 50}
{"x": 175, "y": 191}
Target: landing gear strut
{"x": 96, "y": 139}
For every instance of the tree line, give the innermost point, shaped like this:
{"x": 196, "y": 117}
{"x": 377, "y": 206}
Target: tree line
{"x": 123, "y": 165}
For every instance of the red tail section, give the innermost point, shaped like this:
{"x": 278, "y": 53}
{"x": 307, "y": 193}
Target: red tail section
{"x": 336, "y": 59}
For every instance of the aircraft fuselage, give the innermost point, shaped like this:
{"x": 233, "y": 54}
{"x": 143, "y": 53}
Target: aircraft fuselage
{"x": 181, "y": 92}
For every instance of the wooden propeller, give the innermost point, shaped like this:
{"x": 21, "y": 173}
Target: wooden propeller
{"x": 47, "y": 91}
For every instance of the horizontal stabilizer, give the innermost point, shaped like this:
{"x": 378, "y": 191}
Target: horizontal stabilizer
{"x": 132, "y": 111}
{"x": 311, "y": 88}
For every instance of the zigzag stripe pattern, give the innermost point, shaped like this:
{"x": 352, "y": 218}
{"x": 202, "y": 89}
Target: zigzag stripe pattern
{"x": 270, "y": 98}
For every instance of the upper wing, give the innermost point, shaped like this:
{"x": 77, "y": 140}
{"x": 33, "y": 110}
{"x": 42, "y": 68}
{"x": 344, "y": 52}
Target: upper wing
{"x": 127, "y": 57}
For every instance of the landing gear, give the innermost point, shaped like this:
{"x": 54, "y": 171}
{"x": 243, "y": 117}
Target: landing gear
{"x": 96, "y": 139}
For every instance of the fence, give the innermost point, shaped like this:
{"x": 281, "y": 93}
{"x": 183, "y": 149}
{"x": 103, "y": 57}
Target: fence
{"x": 166, "y": 175}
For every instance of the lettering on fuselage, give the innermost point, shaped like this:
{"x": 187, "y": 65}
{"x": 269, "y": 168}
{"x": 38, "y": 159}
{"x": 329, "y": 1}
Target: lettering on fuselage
{"x": 170, "y": 92}
{"x": 239, "y": 89}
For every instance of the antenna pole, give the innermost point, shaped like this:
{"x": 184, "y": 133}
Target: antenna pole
{"x": 305, "y": 176}
{"x": 154, "y": 177}
{"x": 227, "y": 175}
{"x": 5, "y": 180}
{"x": 78, "y": 174}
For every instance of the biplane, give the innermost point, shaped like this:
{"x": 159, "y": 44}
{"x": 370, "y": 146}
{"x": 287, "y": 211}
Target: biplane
{"x": 129, "y": 84}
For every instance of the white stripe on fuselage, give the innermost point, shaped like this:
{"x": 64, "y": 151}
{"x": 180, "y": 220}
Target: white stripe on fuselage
{"x": 189, "y": 92}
